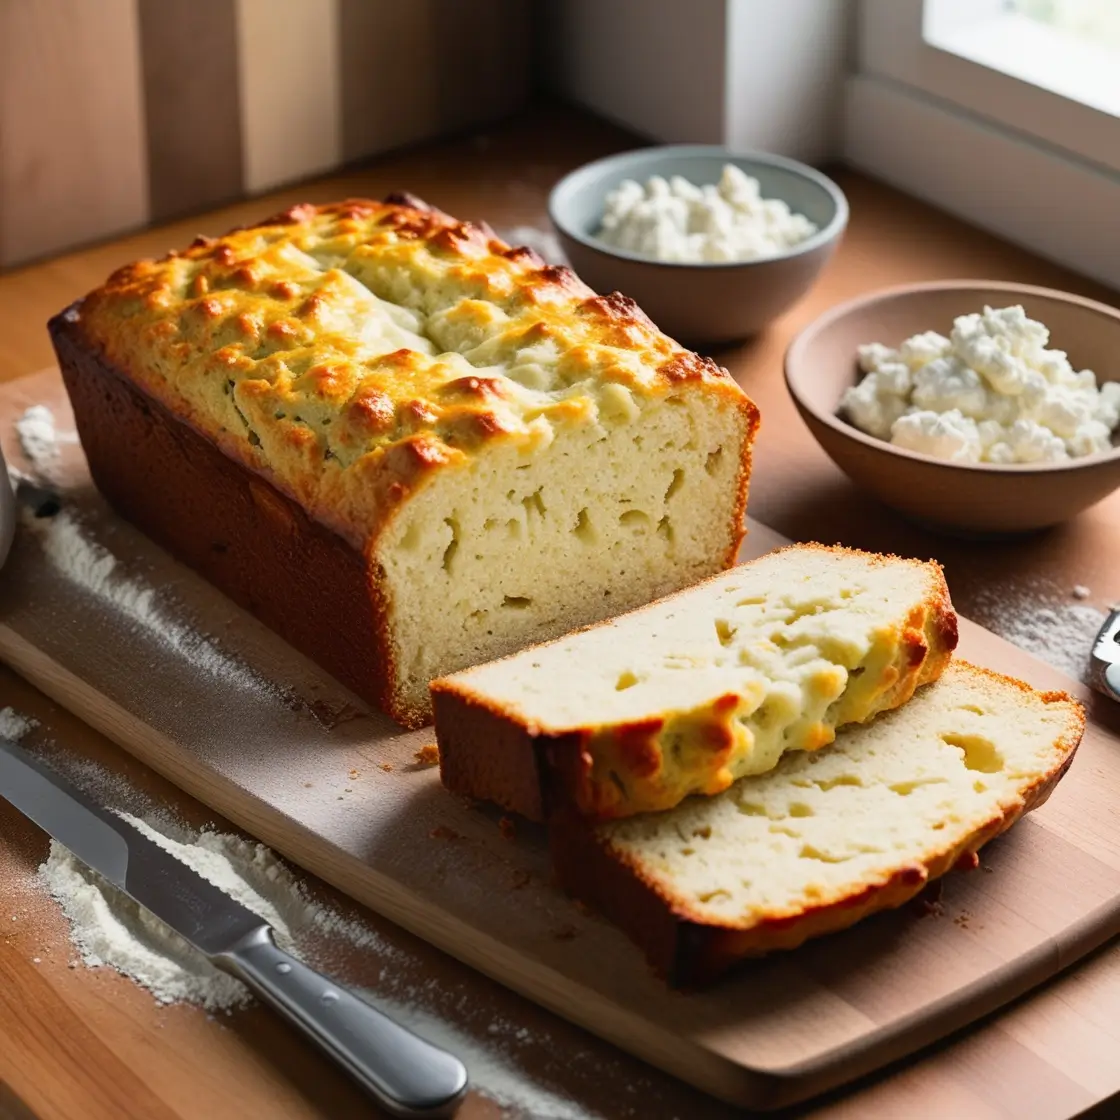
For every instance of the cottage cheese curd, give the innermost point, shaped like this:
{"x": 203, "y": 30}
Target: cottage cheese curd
{"x": 675, "y": 220}
{"x": 991, "y": 392}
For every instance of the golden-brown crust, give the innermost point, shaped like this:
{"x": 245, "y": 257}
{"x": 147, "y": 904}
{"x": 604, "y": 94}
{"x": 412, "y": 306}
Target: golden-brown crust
{"x": 470, "y": 727}
{"x": 251, "y": 343}
{"x": 256, "y": 340}
{"x": 251, "y": 541}
{"x": 688, "y": 949}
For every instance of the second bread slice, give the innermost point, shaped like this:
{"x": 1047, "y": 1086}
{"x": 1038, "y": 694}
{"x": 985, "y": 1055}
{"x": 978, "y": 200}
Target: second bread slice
{"x": 699, "y": 689}
{"x": 825, "y": 839}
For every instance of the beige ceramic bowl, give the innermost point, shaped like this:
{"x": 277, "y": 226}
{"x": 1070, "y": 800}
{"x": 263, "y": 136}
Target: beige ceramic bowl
{"x": 983, "y": 498}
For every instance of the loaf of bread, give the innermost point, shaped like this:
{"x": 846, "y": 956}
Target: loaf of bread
{"x": 690, "y": 693}
{"x": 405, "y": 445}
{"x": 829, "y": 837}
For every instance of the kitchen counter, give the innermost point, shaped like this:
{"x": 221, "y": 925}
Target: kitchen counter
{"x": 90, "y": 1044}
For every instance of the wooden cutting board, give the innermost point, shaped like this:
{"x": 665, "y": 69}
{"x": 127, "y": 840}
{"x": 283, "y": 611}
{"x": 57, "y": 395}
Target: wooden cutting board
{"x": 153, "y": 657}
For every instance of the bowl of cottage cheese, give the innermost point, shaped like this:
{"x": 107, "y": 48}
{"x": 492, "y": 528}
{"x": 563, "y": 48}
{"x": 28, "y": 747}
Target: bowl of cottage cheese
{"x": 982, "y": 408}
{"x": 712, "y": 245}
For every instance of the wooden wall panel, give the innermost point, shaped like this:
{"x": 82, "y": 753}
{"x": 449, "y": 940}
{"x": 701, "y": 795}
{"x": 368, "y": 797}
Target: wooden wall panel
{"x": 72, "y": 161}
{"x": 115, "y": 113}
{"x": 291, "y": 89}
{"x": 389, "y": 97}
{"x": 414, "y": 70}
{"x": 193, "y": 124}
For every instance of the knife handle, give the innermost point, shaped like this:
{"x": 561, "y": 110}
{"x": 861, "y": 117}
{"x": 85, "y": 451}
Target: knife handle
{"x": 406, "y": 1075}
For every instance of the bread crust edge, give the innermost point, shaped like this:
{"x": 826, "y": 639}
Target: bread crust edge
{"x": 689, "y": 951}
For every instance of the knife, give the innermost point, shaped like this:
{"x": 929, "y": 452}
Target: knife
{"x": 1104, "y": 673}
{"x": 406, "y": 1075}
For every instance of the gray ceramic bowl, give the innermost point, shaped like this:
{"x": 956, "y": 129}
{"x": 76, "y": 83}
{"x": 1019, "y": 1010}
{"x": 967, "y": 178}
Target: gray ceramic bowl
{"x": 709, "y": 302}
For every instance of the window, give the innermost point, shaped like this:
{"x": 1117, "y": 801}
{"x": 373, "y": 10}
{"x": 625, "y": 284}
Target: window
{"x": 1004, "y": 111}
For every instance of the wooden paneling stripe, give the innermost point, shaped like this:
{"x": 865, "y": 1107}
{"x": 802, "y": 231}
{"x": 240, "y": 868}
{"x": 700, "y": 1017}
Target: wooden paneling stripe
{"x": 481, "y": 60}
{"x": 72, "y": 164}
{"x": 388, "y": 94}
{"x": 190, "y": 66}
{"x": 413, "y": 70}
{"x": 115, "y": 113}
{"x": 290, "y": 89}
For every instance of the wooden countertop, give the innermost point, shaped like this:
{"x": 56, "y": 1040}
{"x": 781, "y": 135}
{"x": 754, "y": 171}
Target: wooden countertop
{"x": 78, "y": 1043}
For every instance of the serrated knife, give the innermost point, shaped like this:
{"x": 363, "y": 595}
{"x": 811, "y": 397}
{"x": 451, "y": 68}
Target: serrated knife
{"x": 406, "y": 1075}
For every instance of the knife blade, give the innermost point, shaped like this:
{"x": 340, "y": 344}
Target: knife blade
{"x": 406, "y": 1074}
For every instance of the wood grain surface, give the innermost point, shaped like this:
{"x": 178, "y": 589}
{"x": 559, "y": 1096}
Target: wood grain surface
{"x": 1051, "y": 1055}
{"x": 254, "y": 731}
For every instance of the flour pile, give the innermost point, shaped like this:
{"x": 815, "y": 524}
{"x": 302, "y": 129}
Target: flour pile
{"x": 13, "y": 725}
{"x": 108, "y": 928}
{"x": 40, "y": 440}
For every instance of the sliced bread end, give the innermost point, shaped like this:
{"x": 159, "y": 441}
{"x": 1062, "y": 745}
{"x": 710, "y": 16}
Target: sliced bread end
{"x": 777, "y": 859}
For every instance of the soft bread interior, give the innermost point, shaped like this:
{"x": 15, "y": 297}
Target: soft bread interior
{"x": 889, "y": 795}
{"x": 524, "y": 543}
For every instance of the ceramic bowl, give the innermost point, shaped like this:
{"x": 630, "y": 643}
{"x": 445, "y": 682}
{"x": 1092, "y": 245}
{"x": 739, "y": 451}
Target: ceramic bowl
{"x": 973, "y": 499}
{"x": 704, "y": 303}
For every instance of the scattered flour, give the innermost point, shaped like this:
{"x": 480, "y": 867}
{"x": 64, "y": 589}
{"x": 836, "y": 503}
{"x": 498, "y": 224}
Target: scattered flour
{"x": 108, "y": 928}
{"x": 1056, "y": 631}
{"x": 490, "y": 1070}
{"x": 71, "y": 551}
{"x": 41, "y": 440}
{"x": 14, "y": 726}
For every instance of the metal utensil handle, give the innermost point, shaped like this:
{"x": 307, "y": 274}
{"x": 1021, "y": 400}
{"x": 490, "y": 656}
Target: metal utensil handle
{"x": 1112, "y": 679}
{"x": 406, "y": 1075}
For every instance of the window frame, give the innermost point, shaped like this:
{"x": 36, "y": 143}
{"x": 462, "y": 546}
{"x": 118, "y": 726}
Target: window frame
{"x": 1029, "y": 163}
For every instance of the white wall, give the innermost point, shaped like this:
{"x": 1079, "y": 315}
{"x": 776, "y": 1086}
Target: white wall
{"x": 786, "y": 64}
{"x": 747, "y": 73}
{"x": 655, "y": 66}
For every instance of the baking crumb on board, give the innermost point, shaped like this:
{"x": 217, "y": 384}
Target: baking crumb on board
{"x": 427, "y": 755}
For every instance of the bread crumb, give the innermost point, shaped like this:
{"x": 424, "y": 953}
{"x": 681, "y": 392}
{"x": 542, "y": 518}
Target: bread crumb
{"x": 387, "y": 767}
{"x": 442, "y": 832}
{"x": 1080, "y": 591}
{"x": 565, "y": 933}
{"x": 427, "y": 755}
{"x": 507, "y": 826}
{"x": 355, "y": 775}
{"x": 521, "y": 878}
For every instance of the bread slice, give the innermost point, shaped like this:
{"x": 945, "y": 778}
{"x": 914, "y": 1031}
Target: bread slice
{"x": 706, "y": 686}
{"x": 826, "y": 838}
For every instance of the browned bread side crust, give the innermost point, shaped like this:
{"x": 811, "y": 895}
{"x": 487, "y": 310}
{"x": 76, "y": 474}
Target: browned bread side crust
{"x": 254, "y": 543}
{"x": 689, "y": 952}
{"x": 490, "y": 754}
